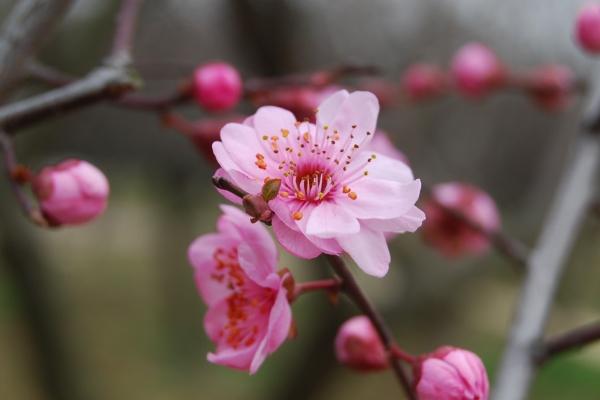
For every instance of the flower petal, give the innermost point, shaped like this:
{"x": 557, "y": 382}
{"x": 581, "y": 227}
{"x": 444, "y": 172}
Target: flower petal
{"x": 382, "y": 199}
{"x": 369, "y": 251}
{"x": 270, "y": 120}
{"x": 359, "y": 109}
{"x": 329, "y": 220}
{"x": 200, "y": 255}
{"x": 409, "y": 222}
{"x": 329, "y": 108}
{"x": 242, "y": 145}
{"x": 294, "y": 241}
{"x": 280, "y": 320}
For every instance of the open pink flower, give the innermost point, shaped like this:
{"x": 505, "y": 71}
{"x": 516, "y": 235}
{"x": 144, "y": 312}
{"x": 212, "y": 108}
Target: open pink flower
{"x": 450, "y": 234}
{"x": 248, "y": 315}
{"x": 451, "y": 373}
{"x": 335, "y": 195}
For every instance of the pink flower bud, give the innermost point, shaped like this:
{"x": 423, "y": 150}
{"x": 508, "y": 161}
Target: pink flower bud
{"x": 72, "y": 192}
{"x": 217, "y": 86}
{"x": 450, "y": 373}
{"x": 358, "y": 346}
{"x": 423, "y": 81}
{"x": 476, "y": 70}
{"x": 450, "y": 234}
{"x": 587, "y": 28}
{"x": 551, "y": 87}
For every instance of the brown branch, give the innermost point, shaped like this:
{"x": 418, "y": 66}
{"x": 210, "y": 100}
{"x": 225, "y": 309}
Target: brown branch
{"x": 26, "y": 27}
{"x": 12, "y": 172}
{"x": 571, "y": 340}
{"x": 355, "y": 293}
{"x": 125, "y": 30}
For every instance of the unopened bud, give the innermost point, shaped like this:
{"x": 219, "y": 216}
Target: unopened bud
{"x": 358, "y": 346}
{"x": 217, "y": 86}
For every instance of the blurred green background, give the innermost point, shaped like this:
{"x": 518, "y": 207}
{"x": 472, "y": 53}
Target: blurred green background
{"x": 109, "y": 310}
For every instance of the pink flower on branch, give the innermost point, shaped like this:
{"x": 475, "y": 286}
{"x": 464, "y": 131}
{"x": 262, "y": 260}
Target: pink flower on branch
{"x": 72, "y": 192}
{"x": 335, "y": 194}
{"x": 450, "y": 373}
{"x": 249, "y": 314}
{"x": 450, "y": 233}
{"x": 358, "y": 346}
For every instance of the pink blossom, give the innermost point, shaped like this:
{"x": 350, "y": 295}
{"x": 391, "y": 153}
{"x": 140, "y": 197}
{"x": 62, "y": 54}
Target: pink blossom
{"x": 587, "y": 28}
{"x": 335, "y": 195}
{"x": 450, "y": 234}
{"x": 358, "y": 346}
{"x": 476, "y": 70}
{"x": 248, "y": 315}
{"x": 217, "y": 86}
{"x": 450, "y": 373}
{"x": 423, "y": 81}
{"x": 72, "y": 192}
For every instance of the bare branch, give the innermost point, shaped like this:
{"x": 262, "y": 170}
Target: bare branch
{"x": 569, "y": 341}
{"x": 125, "y": 30}
{"x": 28, "y": 24}
{"x": 547, "y": 262}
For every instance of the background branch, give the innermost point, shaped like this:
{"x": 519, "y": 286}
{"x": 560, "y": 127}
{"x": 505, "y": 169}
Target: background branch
{"x": 27, "y": 25}
{"x": 568, "y": 341}
{"x": 547, "y": 262}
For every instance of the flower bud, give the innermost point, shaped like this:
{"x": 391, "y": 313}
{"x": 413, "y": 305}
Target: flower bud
{"x": 587, "y": 28}
{"x": 450, "y": 373}
{"x": 423, "y": 81}
{"x": 551, "y": 86}
{"x": 217, "y": 86}
{"x": 72, "y": 192}
{"x": 358, "y": 346}
{"x": 476, "y": 70}
{"x": 449, "y": 233}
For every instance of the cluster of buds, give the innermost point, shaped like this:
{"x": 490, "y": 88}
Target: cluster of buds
{"x": 448, "y": 373}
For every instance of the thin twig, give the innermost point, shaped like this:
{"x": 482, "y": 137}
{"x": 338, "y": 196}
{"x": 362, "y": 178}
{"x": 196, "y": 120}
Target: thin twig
{"x": 506, "y": 245}
{"x": 11, "y": 166}
{"x": 331, "y": 285}
{"x": 568, "y": 341}
{"x": 355, "y": 293}
{"x": 125, "y": 29}
{"x": 26, "y": 27}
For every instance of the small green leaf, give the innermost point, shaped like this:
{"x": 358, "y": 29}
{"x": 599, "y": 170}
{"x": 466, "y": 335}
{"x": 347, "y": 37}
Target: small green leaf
{"x": 270, "y": 189}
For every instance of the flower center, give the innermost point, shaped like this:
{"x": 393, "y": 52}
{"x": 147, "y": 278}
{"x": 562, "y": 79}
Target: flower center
{"x": 248, "y": 305}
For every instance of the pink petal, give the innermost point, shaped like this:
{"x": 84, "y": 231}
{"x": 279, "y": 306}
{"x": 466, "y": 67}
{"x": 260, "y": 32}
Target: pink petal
{"x": 360, "y": 109}
{"x": 232, "y": 358}
{"x": 215, "y": 319}
{"x": 381, "y": 199}
{"x": 257, "y": 253}
{"x": 280, "y": 321}
{"x": 200, "y": 255}
{"x": 242, "y": 144}
{"x": 369, "y": 250}
{"x": 439, "y": 381}
{"x": 329, "y": 220}
{"x": 409, "y": 222}
{"x": 383, "y": 167}
{"x": 293, "y": 241}
{"x": 271, "y": 120}
{"x": 329, "y": 108}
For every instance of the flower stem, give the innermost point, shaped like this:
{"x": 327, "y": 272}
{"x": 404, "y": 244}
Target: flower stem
{"x": 330, "y": 285}
{"x": 355, "y": 293}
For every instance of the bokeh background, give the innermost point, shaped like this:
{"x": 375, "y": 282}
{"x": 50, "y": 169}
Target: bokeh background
{"x": 109, "y": 310}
